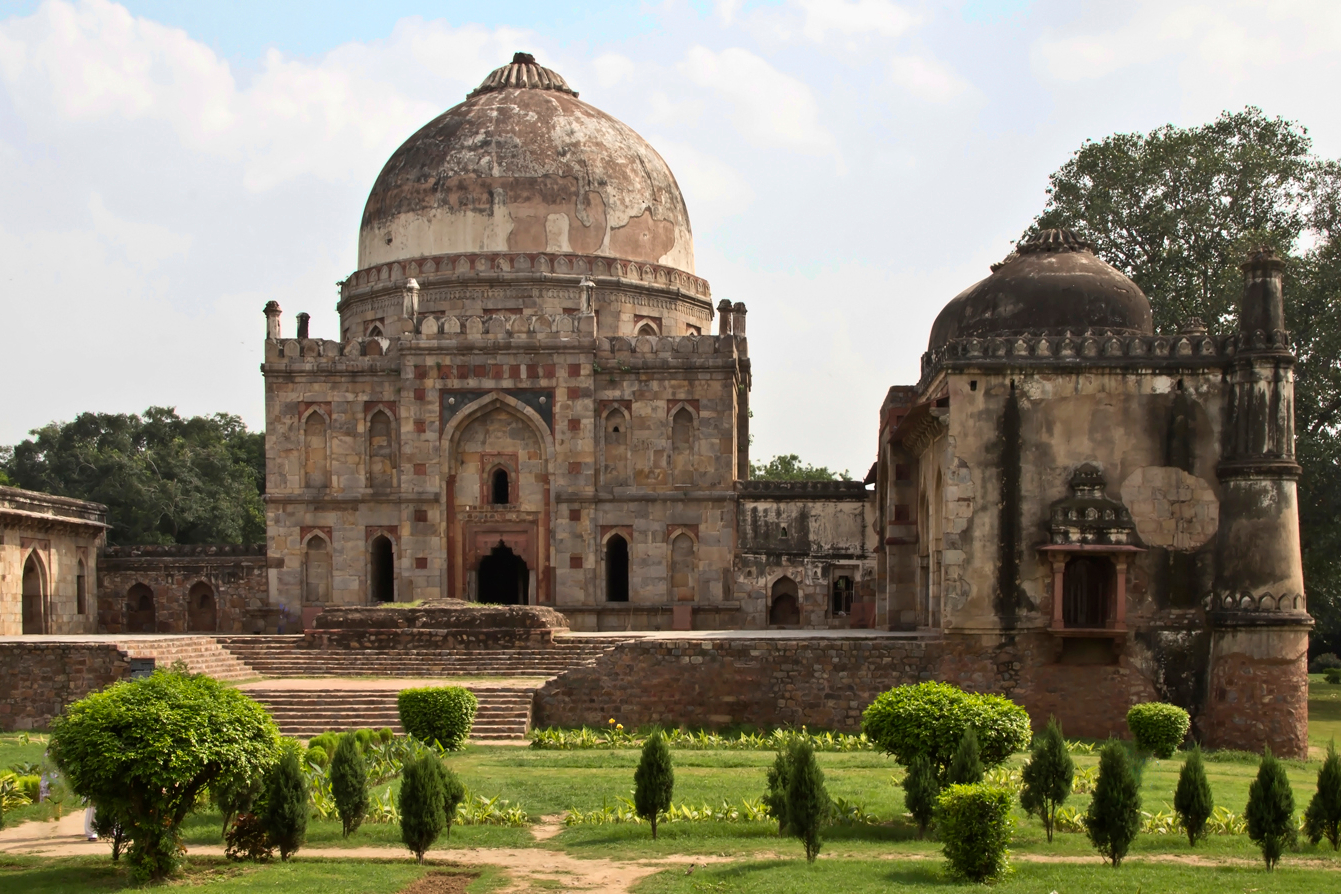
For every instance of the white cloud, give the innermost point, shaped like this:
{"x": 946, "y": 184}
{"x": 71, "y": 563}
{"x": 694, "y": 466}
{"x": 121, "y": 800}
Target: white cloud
{"x": 613, "y": 68}
{"x": 926, "y": 78}
{"x": 713, "y": 189}
{"x": 850, "y": 18}
{"x": 770, "y": 108}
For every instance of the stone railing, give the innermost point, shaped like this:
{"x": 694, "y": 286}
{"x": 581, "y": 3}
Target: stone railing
{"x": 506, "y": 325}
{"x": 183, "y": 550}
{"x": 803, "y": 490}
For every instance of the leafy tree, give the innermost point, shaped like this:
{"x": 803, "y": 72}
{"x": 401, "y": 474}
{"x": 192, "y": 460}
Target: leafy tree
{"x": 1175, "y": 210}
{"x": 788, "y": 467}
{"x": 1192, "y": 800}
{"x": 965, "y": 767}
{"x": 1323, "y": 817}
{"x": 775, "y": 792}
{"x": 808, "y": 803}
{"x": 349, "y": 783}
{"x": 1114, "y": 815}
{"x": 108, "y": 827}
{"x": 236, "y": 796}
{"x": 421, "y": 803}
{"x": 164, "y": 479}
{"x": 284, "y": 813}
{"x": 920, "y": 791}
{"x": 1048, "y": 775}
{"x": 453, "y": 792}
{"x": 144, "y": 750}
{"x": 1270, "y": 810}
{"x": 654, "y": 780}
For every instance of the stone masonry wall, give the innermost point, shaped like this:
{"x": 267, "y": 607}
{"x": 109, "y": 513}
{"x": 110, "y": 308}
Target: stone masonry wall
{"x": 41, "y": 678}
{"x": 235, "y": 576}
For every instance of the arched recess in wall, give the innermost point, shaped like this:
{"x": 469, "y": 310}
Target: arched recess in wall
{"x": 1088, "y": 586}
{"x": 317, "y": 570}
{"x": 202, "y": 609}
{"x": 616, "y": 444}
{"x": 646, "y": 329}
{"x": 465, "y": 420}
{"x": 381, "y": 570}
{"x": 684, "y": 434}
{"x": 316, "y": 450}
{"x": 81, "y": 589}
{"x": 141, "y": 616}
{"x": 616, "y": 569}
{"x": 682, "y": 568}
{"x": 382, "y": 452}
{"x": 784, "y": 603}
{"x": 500, "y": 486}
{"x": 34, "y": 595}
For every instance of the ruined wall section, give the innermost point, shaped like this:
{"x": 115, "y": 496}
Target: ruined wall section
{"x": 179, "y": 576}
{"x": 41, "y": 678}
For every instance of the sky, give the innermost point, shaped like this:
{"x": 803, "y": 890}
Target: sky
{"x": 167, "y": 168}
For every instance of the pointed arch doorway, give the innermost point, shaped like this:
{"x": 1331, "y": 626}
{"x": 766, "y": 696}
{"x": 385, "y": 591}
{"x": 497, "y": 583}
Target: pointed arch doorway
{"x": 502, "y": 577}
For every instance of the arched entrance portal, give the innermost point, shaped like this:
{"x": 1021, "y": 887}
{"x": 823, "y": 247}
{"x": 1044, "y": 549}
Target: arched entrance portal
{"x": 503, "y": 578}
{"x": 34, "y": 620}
{"x": 784, "y": 609}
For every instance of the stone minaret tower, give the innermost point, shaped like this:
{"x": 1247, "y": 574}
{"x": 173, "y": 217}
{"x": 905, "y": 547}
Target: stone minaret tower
{"x": 1259, "y": 652}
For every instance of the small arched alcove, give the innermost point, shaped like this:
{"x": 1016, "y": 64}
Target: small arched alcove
{"x": 141, "y": 616}
{"x": 500, "y": 487}
{"x": 784, "y": 605}
{"x": 34, "y": 596}
{"x": 616, "y": 569}
{"x": 381, "y": 570}
{"x": 202, "y": 611}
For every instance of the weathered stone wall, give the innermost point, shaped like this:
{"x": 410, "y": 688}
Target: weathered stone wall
{"x": 1259, "y": 690}
{"x": 55, "y": 540}
{"x": 184, "y": 579}
{"x": 41, "y": 678}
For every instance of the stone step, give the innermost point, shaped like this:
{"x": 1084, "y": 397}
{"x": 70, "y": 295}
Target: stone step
{"x": 503, "y": 714}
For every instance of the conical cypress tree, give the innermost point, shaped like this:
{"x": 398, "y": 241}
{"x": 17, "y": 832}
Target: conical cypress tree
{"x": 775, "y": 794}
{"x": 284, "y": 815}
{"x": 1048, "y": 775}
{"x": 1114, "y": 816}
{"x": 808, "y": 801}
{"x": 654, "y": 780}
{"x": 421, "y": 803}
{"x": 349, "y": 783}
{"x": 1323, "y": 817}
{"x": 1192, "y": 800}
{"x": 966, "y": 767}
{"x": 1270, "y": 810}
{"x": 920, "y": 791}
{"x": 453, "y": 791}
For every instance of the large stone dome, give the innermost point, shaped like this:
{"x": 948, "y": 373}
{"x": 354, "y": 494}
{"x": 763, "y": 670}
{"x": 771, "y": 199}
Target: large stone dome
{"x": 1052, "y": 284}
{"x": 521, "y": 166}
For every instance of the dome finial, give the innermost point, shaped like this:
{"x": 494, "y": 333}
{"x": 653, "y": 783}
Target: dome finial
{"x": 523, "y": 73}
{"x": 1058, "y": 239}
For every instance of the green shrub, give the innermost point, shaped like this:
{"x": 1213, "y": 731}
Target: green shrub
{"x": 364, "y": 738}
{"x": 1270, "y": 810}
{"x": 808, "y": 803}
{"x": 1323, "y": 663}
{"x": 146, "y": 749}
{"x": 453, "y": 793}
{"x": 1114, "y": 815}
{"x": 654, "y": 780}
{"x": 236, "y": 796}
{"x": 931, "y": 718}
{"x": 110, "y": 829}
{"x": 975, "y": 825}
{"x": 349, "y": 783}
{"x": 438, "y": 713}
{"x": 775, "y": 789}
{"x": 1333, "y": 674}
{"x": 965, "y": 766}
{"x": 1323, "y": 817}
{"x": 1046, "y": 779}
{"x": 921, "y": 792}
{"x": 421, "y": 804}
{"x": 1158, "y": 728}
{"x": 326, "y": 742}
{"x": 1192, "y": 800}
{"x": 316, "y": 756}
{"x": 385, "y": 735}
{"x": 30, "y": 787}
{"x": 247, "y": 839}
{"x": 284, "y": 813}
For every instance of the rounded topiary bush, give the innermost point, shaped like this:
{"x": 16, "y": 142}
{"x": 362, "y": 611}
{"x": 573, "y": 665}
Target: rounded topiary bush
{"x": 441, "y": 714}
{"x": 975, "y": 825}
{"x": 316, "y": 756}
{"x": 931, "y": 719}
{"x": 1333, "y": 674}
{"x": 1158, "y": 727}
{"x": 1324, "y": 661}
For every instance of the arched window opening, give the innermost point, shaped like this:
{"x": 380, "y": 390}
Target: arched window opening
{"x": 842, "y": 595}
{"x": 784, "y": 608}
{"x": 382, "y": 577}
{"x": 381, "y": 451}
{"x": 1088, "y": 587}
{"x": 503, "y": 578}
{"x": 682, "y": 447}
{"x": 616, "y": 470}
{"x": 81, "y": 591}
{"x": 500, "y": 491}
{"x": 141, "y": 616}
{"x": 34, "y": 601}
{"x": 682, "y": 568}
{"x": 617, "y": 569}
{"x": 647, "y": 329}
{"x": 317, "y": 572}
{"x": 202, "y": 613}
{"x": 315, "y": 463}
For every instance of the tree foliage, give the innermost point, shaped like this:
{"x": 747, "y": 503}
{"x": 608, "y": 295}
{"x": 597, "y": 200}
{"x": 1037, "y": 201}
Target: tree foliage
{"x": 1192, "y": 800}
{"x": 284, "y": 811}
{"x": 164, "y": 479}
{"x": 422, "y": 803}
{"x": 920, "y": 792}
{"x": 776, "y": 781}
{"x": 1114, "y": 815}
{"x": 654, "y": 780}
{"x": 966, "y": 767}
{"x": 349, "y": 783}
{"x": 1322, "y": 819}
{"x": 788, "y": 467}
{"x": 1048, "y": 775}
{"x": 144, "y": 750}
{"x": 1270, "y": 810}
{"x": 1176, "y": 210}
{"x": 975, "y": 824}
{"x": 808, "y": 803}
{"x": 442, "y": 714}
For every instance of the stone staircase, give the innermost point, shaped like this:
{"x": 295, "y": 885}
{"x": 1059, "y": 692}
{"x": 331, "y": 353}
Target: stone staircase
{"x": 202, "y": 654}
{"x": 504, "y": 711}
{"x": 284, "y": 656}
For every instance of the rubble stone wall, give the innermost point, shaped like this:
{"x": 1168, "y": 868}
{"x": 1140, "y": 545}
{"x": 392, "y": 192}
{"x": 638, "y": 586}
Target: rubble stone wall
{"x": 41, "y": 678}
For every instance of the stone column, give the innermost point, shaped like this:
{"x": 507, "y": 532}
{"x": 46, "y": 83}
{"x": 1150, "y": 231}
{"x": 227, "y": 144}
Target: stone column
{"x": 724, "y": 317}
{"x": 303, "y": 319}
{"x": 272, "y": 313}
{"x": 738, "y": 315}
{"x": 1258, "y": 685}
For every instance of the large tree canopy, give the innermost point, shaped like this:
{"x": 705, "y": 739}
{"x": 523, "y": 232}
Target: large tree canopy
{"x": 788, "y": 467}
{"x": 1177, "y": 210}
{"x": 164, "y": 479}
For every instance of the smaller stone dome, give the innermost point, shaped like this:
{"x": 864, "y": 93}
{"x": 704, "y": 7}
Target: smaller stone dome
{"x": 1050, "y": 285}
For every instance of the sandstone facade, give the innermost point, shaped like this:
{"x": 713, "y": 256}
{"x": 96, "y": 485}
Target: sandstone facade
{"x": 48, "y": 562}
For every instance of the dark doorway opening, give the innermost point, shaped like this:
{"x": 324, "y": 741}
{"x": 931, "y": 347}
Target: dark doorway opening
{"x": 842, "y": 596}
{"x": 382, "y": 582}
{"x": 1088, "y": 591}
{"x": 785, "y": 608}
{"x": 617, "y": 569}
{"x": 33, "y": 615}
{"x": 202, "y": 614}
{"x": 503, "y": 578}
{"x": 499, "y": 486}
{"x": 140, "y": 614}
